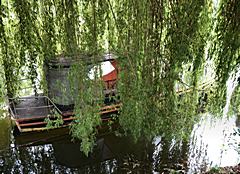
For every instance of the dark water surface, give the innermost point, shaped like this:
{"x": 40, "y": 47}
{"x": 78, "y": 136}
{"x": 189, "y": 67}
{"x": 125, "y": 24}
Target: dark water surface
{"x": 211, "y": 144}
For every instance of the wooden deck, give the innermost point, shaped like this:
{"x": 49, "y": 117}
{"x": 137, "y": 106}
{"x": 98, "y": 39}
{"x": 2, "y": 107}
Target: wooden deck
{"x": 30, "y": 113}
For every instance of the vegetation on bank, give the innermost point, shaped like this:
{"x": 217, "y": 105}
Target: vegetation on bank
{"x": 162, "y": 45}
{"x": 224, "y": 170}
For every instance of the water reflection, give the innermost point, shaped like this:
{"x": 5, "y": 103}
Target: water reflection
{"x": 111, "y": 154}
{"x": 212, "y": 144}
{"x": 170, "y": 156}
{"x": 53, "y": 152}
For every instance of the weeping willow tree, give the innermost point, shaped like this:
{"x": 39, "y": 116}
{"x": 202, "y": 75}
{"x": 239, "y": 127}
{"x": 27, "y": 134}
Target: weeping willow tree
{"x": 162, "y": 41}
{"x": 225, "y": 48}
{"x": 162, "y": 46}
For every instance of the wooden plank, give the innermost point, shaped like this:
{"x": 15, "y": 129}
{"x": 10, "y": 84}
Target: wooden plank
{"x": 70, "y": 118}
{"x": 18, "y": 126}
{"x": 111, "y": 106}
{"x": 104, "y": 110}
{"x": 31, "y": 118}
{"x": 63, "y": 126}
{"x": 35, "y": 107}
{"x": 39, "y": 129}
{"x": 189, "y": 89}
{"x": 32, "y": 124}
{"x": 37, "y": 117}
{"x": 43, "y": 123}
{"x": 108, "y": 111}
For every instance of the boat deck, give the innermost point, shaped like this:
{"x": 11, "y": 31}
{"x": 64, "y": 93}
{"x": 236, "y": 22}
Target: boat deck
{"x": 31, "y": 113}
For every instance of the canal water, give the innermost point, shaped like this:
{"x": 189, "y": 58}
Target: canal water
{"x": 213, "y": 143}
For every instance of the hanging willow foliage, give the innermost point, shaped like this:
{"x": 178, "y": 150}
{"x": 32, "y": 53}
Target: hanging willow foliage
{"x": 49, "y": 30}
{"x": 161, "y": 46}
{"x": 226, "y": 48}
{"x": 89, "y": 91}
{"x": 227, "y": 41}
{"x": 3, "y": 45}
{"x": 162, "y": 40}
{"x": 28, "y": 39}
{"x": 9, "y": 64}
{"x": 67, "y": 19}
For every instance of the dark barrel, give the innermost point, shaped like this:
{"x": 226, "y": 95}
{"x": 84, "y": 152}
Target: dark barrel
{"x": 60, "y": 89}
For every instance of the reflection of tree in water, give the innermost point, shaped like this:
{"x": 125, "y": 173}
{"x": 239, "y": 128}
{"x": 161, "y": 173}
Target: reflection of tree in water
{"x": 35, "y": 159}
{"x": 171, "y": 155}
{"x": 38, "y": 159}
{"x": 111, "y": 155}
{"x": 131, "y": 156}
{"x": 9, "y": 161}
